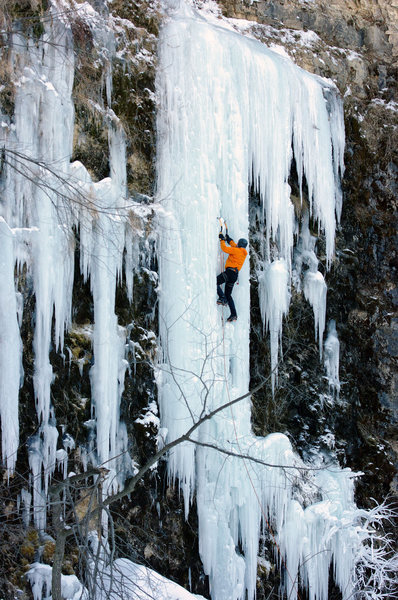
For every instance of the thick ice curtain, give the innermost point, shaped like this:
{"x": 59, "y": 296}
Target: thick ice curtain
{"x": 233, "y": 113}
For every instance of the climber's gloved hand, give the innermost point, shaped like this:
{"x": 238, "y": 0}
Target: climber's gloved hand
{"x": 221, "y": 236}
{"x": 228, "y": 239}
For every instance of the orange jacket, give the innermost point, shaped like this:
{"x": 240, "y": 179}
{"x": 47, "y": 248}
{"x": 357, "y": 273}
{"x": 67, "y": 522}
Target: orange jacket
{"x": 236, "y": 256}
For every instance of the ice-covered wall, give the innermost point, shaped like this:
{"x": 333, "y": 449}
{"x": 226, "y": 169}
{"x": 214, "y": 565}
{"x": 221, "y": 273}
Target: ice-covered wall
{"x": 45, "y": 199}
{"x": 234, "y": 113}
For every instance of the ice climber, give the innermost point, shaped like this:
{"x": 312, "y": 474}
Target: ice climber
{"x": 236, "y": 257}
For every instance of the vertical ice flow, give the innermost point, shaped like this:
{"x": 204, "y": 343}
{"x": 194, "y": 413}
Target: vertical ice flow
{"x": 230, "y": 113}
{"x": 10, "y": 351}
{"x": 310, "y": 280}
{"x": 42, "y": 135}
{"x": 275, "y": 298}
{"x": 332, "y": 357}
{"x": 315, "y": 292}
{"x": 107, "y": 241}
{"x": 45, "y": 198}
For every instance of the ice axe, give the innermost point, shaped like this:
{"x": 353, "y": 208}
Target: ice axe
{"x": 223, "y": 223}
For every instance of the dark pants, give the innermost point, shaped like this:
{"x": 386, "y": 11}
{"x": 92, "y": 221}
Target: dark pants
{"x": 229, "y": 277}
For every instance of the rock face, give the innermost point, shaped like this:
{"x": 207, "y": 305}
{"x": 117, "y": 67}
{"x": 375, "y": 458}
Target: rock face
{"x": 366, "y": 26}
{"x": 354, "y": 43}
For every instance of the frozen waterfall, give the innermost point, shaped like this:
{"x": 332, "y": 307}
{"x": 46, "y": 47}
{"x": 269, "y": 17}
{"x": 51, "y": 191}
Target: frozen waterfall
{"x": 234, "y": 113}
{"x": 45, "y": 198}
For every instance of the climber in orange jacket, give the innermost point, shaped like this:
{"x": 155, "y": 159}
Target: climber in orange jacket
{"x": 236, "y": 257}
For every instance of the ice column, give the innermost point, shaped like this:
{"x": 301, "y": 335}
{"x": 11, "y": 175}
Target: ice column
{"x": 313, "y": 284}
{"x": 10, "y": 351}
{"x": 332, "y": 357}
{"x": 315, "y": 292}
{"x": 102, "y": 242}
{"x": 274, "y": 302}
{"x": 106, "y": 245}
{"x": 45, "y": 199}
{"x": 230, "y": 111}
{"x": 40, "y": 137}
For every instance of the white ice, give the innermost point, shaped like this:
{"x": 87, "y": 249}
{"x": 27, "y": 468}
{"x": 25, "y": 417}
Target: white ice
{"x": 45, "y": 198}
{"x": 274, "y": 293}
{"x": 332, "y": 357}
{"x": 39, "y": 577}
{"x": 232, "y": 113}
{"x": 306, "y": 277}
{"x": 125, "y": 579}
{"x": 42, "y": 134}
{"x": 315, "y": 292}
{"x": 120, "y": 579}
{"x": 10, "y": 351}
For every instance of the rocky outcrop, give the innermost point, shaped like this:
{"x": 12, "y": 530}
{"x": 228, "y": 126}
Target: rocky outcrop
{"x": 365, "y": 26}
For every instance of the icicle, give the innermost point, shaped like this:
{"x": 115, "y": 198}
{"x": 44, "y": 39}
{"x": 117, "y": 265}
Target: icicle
{"x": 10, "y": 351}
{"x": 274, "y": 303}
{"x": 332, "y": 355}
{"x": 62, "y": 461}
{"x": 26, "y": 498}
{"x": 304, "y": 253}
{"x": 39, "y": 577}
{"x": 230, "y": 112}
{"x": 315, "y": 292}
{"x": 313, "y": 283}
{"x": 43, "y": 135}
{"x": 106, "y": 245}
{"x": 45, "y": 220}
